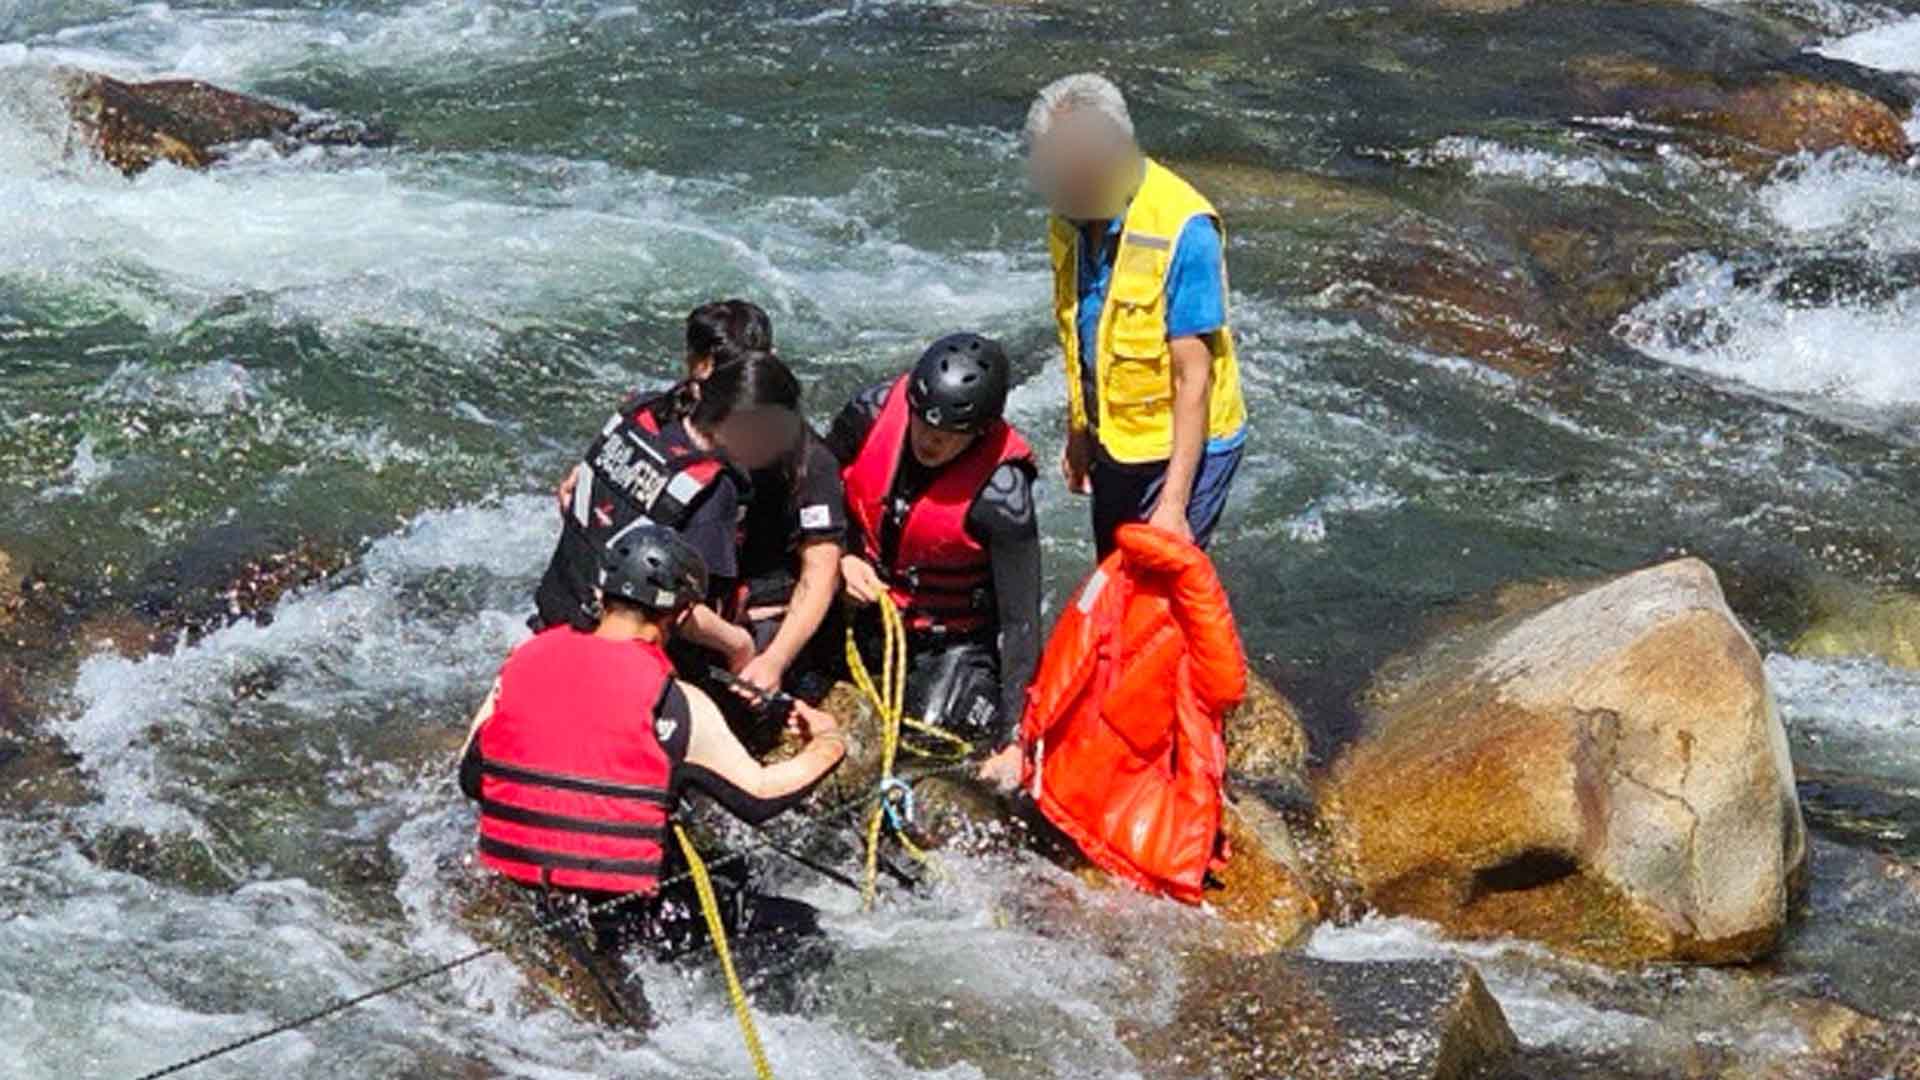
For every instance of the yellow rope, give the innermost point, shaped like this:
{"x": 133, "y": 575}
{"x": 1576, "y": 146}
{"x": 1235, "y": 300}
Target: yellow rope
{"x": 709, "y": 906}
{"x": 889, "y": 699}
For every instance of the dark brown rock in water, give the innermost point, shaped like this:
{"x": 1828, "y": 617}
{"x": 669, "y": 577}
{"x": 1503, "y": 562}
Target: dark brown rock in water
{"x": 1749, "y": 120}
{"x": 133, "y": 126}
{"x": 1440, "y": 295}
{"x": 1608, "y": 775}
{"x": 1283, "y": 1015}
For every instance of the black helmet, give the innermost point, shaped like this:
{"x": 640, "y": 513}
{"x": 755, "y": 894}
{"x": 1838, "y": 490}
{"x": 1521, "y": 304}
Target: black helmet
{"x": 960, "y": 384}
{"x": 652, "y": 567}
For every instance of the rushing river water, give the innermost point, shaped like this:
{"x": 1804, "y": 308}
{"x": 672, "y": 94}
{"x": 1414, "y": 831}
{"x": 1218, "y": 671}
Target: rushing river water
{"x": 391, "y": 354}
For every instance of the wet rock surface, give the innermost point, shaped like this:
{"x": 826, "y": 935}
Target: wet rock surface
{"x": 136, "y": 125}
{"x": 1749, "y": 120}
{"x": 1608, "y": 775}
{"x": 1286, "y": 1015}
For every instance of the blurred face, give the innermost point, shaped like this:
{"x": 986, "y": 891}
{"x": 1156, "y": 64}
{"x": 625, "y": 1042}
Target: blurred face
{"x": 933, "y": 447}
{"x": 1083, "y": 167}
{"x": 757, "y": 438}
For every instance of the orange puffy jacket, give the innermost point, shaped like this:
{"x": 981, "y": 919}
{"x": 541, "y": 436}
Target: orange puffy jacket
{"x": 1123, "y": 724}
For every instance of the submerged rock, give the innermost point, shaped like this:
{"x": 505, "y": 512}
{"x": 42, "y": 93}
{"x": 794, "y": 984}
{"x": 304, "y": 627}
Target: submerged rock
{"x": 12, "y": 577}
{"x": 1305, "y": 1019}
{"x": 133, "y": 126}
{"x": 1607, "y": 774}
{"x": 1884, "y": 627}
{"x": 1748, "y": 120}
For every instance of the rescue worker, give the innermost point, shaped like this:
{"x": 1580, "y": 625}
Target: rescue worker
{"x": 940, "y": 497}
{"x": 681, "y": 468}
{"x": 792, "y": 533}
{"x": 582, "y": 754}
{"x": 1156, "y": 426}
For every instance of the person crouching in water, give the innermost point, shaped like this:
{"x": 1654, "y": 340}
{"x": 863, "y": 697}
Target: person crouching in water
{"x": 940, "y": 496}
{"x": 582, "y": 754}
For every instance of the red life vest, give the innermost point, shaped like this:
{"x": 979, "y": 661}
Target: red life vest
{"x": 574, "y": 784}
{"x": 940, "y": 576}
{"x": 1123, "y": 723}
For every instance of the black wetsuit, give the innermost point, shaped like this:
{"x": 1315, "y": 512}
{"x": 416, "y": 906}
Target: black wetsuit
{"x": 949, "y": 679}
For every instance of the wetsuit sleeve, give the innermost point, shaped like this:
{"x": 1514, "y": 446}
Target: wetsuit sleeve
{"x": 1003, "y": 519}
{"x": 851, "y": 427}
{"x": 470, "y": 771}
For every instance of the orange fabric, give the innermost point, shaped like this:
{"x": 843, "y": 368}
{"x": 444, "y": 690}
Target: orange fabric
{"x": 1125, "y": 751}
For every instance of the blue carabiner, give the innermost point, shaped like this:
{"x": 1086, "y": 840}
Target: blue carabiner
{"x": 897, "y": 795}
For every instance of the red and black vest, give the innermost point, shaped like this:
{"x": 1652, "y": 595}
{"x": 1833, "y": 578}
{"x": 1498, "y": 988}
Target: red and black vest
{"x": 939, "y": 575}
{"x": 574, "y": 788}
{"x": 635, "y": 476}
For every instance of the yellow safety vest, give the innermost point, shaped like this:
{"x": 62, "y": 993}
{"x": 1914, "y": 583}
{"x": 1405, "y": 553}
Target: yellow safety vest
{"x": 1134, "y": 370}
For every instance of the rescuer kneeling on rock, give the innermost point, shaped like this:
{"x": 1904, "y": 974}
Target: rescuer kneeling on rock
{"x": 940, "y": 502}
{"x": 582, "y": 753}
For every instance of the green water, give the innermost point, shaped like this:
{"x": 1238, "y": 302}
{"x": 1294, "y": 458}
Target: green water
{"x": 384, "y": 358}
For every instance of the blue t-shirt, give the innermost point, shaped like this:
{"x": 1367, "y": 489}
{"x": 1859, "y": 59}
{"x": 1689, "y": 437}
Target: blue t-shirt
{"x": 1196, "y": 294}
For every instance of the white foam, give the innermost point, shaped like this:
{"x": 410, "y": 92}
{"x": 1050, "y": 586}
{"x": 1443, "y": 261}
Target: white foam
{"x": 332, "y": 649}
{"x": 1519, "y": 975}
{"x": 1853, "y": 354}
{"x": 1485, "y": 158}
{"x": 1854, "y": 714}
{"x": 1842, "y": 198}
{"x": 1894, "y": 46}
{"x": 415, "y": 41}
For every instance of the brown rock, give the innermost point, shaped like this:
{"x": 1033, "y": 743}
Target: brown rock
{"x": 1749, "y": 121}
{"x": 1446, "y": 298}
{"x": 1886, "y": 627}
{"x": 1272, "y": 894}
{"x": 12, "y": 576}
{"x": 1608, "y": 775}
{"x": 136, "y": 125}
{"x": 1265, "y": 739}
{"x": 1284, "y": 1015}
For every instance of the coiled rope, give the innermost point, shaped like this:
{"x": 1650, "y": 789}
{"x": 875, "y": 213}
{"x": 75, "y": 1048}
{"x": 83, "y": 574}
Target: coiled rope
{"x": 889, "y": 700}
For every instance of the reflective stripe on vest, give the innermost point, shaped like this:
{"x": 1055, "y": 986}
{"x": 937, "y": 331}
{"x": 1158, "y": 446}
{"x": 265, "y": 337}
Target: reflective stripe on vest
{"x": 1133, "y": 368}
{"x": 940, "y": 576}
{"x": 575, "y": 786}
{"x": 635, "y": 477}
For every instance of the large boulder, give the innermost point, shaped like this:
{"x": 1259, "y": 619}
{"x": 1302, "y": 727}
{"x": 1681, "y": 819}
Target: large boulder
{"x": 134, "y": 126}
{"x": 1305, "y": 1019}
{"x": 1606, "y": 773}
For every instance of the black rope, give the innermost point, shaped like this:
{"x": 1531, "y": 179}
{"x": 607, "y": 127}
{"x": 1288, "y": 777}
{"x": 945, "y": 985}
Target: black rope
{"x": 385, "y": 989}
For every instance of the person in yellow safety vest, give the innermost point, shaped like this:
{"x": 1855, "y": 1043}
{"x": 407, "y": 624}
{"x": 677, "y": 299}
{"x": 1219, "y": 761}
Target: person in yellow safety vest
{"x": 1156, "y": 425}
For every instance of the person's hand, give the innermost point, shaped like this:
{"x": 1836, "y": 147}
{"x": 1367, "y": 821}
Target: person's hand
{"x": 567, "y": 485}
{"x": 763, "y": 674}
{"x": 1170, "y": 516}
{"x": 811, "y": 723}
{"x": 1002, "y": 770}
{"x": 1076, "y": 462}
{"x": 861, "y": 581}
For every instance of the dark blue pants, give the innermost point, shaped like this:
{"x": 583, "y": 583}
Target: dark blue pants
{"x": 1126, "y": 493}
